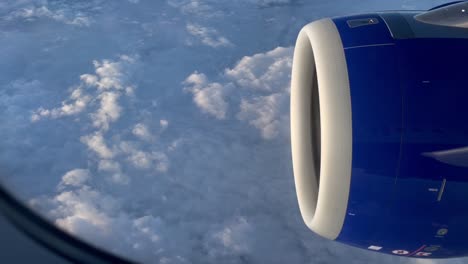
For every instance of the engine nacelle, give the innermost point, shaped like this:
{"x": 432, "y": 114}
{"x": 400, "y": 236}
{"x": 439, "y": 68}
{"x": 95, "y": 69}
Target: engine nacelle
{"x": 379, "y": 130}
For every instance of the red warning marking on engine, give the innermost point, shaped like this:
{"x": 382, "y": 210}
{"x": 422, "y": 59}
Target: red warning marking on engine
{"x": 417, "y": 250}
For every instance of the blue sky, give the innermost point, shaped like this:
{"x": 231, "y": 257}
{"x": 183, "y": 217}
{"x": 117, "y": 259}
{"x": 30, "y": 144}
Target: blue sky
{"x": 159, "y": 130}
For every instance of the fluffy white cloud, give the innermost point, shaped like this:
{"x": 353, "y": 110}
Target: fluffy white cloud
{"x": 233, "y": 237}
{"x": 76, "y": 177}
{"x": 110, "y": 78}
{"x": 208, "y": 36}
{"x": 163, "y": 123}
{"x": 74, "y": 105}
{"x": 109, "y": 110}
{"x": 209, "y": 97}
{"x": 96, "y": 143}
{"x": 141, "y": 131}
{"x": 109, "y": 165}
{"x": 198, "y": 8}
{"x": 82, "y": 211}
{"x": 258, "y": 84}
{"x": 267, "y": 114}
{"x": 140, "y": 159}
{"x": 144, "y": 160}
{"x": 32, "y": 13}
{"x": 110, "y": 74}
{"x": 269, "y": 71}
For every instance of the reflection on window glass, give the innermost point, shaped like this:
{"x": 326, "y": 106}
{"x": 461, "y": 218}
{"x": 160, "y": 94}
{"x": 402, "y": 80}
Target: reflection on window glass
{"x": 414, "y": 25}
{"x": 160, "y": 130}
{"x": 455, "y": 15}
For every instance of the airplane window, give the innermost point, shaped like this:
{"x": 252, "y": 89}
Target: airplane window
{"x": 159, "y": 131}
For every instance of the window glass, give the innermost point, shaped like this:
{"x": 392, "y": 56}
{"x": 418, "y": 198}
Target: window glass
{"x": 159, "y": 130}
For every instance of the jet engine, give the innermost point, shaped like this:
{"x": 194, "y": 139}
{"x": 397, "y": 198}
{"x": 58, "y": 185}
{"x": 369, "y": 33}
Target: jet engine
{"x": 379, "y": 130}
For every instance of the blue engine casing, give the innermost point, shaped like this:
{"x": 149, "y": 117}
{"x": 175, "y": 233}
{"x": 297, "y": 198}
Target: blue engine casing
{"x": 409, "y": 99}
{"x": 408, "y": 84}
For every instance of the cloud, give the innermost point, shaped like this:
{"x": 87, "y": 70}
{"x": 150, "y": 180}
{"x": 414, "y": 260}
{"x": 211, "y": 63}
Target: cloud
{"x": 266, "y": 113}
{"x": 141, "y": 131}
{"x": 96, "y": 143}
{"x": 76, "y": 104}
{"x": 76, "y": 177}
{"x": 208, "y": 36}
{"x": 270, "y": 3}
{"x": 32, "y": 13}
{"x": 209, "y": 97}
{"x": 233, "y": 237}
{"x": 140, "y": 159}
{"x": 82, "y": 211}
{"x": 109, "y": 110}
{"x": 197, "y": 8}
{"x": 109, "y": 165}
{"x": 108, "y": 84}
{"x": 267, "y": 71}
{"x": 79, "y": 207}
{"x": 99, "y": 217}
{"x": 258, "y": 85}
{"x": 110, "y": 74}
{"x": 103, "y": 92}
{"x": 15, "y": 96}
{"x": 144, "y": 160}
{"x": 163, "y": 123}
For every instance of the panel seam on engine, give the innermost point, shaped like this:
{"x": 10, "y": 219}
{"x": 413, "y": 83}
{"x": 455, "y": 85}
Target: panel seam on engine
{"x": 370, "y": 45}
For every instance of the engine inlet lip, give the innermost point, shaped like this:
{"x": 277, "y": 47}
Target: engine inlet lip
{"x": 321, "y": 127}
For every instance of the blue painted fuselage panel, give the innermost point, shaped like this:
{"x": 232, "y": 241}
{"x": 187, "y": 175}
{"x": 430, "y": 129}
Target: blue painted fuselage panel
{"x": 409, "y": 100}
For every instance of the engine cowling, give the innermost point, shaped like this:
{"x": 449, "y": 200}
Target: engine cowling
{"x": 379, "y": 130}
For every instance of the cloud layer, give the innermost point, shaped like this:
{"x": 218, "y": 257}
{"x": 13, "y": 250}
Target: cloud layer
{"x": 160, "y": 131}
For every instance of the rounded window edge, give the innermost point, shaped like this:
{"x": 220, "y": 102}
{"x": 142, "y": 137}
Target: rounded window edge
{"x": 51, "y": 237}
